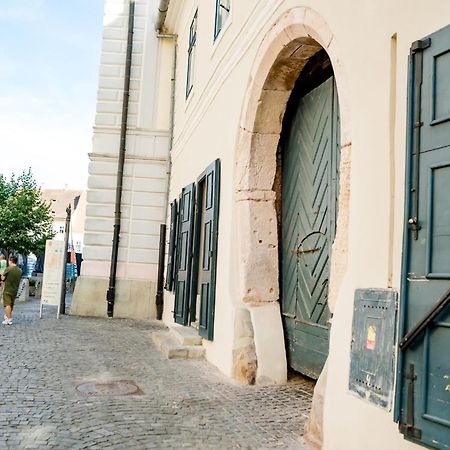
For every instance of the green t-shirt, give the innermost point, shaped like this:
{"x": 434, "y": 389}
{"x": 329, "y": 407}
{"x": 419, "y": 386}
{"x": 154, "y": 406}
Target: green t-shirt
{"x": 13, "y": 275}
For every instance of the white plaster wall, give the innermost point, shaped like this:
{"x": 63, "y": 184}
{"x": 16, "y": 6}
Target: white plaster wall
{"x": 374, "y": 68}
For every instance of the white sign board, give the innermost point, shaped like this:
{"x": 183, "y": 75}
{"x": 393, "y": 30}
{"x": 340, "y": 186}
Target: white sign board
{"x": 53, "y": 269}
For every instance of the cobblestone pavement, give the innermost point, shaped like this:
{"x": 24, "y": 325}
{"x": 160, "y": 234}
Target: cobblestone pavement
{"x": 183, "y": 404}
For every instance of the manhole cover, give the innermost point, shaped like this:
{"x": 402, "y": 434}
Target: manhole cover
{"x": 105, "y": 388}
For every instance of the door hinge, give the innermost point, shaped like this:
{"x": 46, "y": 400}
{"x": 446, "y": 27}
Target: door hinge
{"x": 407, "y": 428}
{"x": 420, "y": 45}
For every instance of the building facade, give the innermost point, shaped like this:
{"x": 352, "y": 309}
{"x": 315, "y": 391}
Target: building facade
{"x": 307, "y": 203}
{"x": 143, "y": 205}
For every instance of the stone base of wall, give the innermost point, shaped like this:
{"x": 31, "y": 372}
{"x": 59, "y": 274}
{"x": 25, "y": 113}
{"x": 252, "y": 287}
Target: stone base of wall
{"x": 314, "y": 427}
{"x": 269, "y": 343}
{"x": 135, "y": 299}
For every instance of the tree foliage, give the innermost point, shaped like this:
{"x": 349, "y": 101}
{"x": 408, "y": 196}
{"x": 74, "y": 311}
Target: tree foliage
{"x": 25, "y": 218}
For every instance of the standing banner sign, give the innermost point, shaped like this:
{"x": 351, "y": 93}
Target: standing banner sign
{"x": 52, "y": 281}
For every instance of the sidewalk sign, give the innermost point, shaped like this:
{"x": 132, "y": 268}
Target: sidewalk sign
{"x": 51, "y": 284}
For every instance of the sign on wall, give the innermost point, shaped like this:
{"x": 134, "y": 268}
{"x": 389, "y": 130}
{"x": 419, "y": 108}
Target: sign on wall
{"x": 52, "y": 280}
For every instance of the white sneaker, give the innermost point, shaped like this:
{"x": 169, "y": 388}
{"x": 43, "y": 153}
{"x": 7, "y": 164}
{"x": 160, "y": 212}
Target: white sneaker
{"x": 7, "y": 322}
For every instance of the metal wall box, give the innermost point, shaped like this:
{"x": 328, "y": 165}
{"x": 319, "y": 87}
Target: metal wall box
{"x": 373, "y": 345}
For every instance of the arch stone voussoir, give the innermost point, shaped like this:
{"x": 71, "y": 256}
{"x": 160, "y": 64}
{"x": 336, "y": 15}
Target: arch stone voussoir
{"x": 288, "y": 45}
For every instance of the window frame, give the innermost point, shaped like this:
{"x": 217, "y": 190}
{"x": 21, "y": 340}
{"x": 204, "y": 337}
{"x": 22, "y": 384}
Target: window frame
{"x": 191, "y": 54}
{"x": 219, "y": 8}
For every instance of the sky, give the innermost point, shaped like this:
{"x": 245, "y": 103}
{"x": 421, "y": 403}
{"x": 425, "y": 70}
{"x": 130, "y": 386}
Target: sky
{"x": 49, "y": 63}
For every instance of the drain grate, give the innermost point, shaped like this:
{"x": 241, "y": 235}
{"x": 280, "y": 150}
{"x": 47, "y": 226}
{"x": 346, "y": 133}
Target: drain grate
{"x": 108, "y": 388}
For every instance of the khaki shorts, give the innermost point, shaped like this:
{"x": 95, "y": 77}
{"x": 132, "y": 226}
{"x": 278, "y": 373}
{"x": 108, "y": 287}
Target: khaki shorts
{"x": 8, "y": 299}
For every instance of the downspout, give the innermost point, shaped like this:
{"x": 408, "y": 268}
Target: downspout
{"x": 162, "y": 12}
{"x": 172, "y": 108}
{"x": 111, "y": 293}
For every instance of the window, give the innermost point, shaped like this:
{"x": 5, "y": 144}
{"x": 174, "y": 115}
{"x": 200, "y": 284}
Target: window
{"x": 191, "y": 55}
{"x": 62, "y": 228}
{"x": 222, "y": 13}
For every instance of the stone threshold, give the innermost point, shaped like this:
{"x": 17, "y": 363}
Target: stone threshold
{"x": 179, "y": 343}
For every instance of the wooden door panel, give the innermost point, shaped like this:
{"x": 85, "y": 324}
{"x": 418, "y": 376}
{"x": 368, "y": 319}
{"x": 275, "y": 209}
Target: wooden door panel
{"x": 205, "y": 252}
{"x": 424, "y": 399}
{"x": 184, "y": 253}
{"x": 309, "y": 187}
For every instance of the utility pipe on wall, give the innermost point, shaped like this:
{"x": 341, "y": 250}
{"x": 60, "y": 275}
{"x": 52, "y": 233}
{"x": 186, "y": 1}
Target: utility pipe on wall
{"x": 172, "y": 107}
{"x": 161, "y": 263}
{"x": 111, "y": 293}
{"x": 162, "y": 13}
{"x": 163, "y": 8}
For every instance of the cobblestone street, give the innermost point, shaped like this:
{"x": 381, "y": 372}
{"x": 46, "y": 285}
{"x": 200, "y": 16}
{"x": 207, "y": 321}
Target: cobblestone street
{"x": 183, "y": 404}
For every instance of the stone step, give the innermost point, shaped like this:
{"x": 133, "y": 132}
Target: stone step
{"x": 185, "y": 335}
{"x": 172, "y": 349}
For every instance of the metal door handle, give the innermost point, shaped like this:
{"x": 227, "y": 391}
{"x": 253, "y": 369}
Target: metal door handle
{"x": 297, "y": 251}
{"x": 300, "y": 251}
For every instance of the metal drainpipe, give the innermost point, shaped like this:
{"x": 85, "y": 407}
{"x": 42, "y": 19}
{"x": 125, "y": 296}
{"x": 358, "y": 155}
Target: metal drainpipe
{"x": 160, "y": 285}
{"x": 111, "y": 293}
{"x": 162, "y": 13}
{"x": 159, "y": 25}
{"x": 172, "y": 107}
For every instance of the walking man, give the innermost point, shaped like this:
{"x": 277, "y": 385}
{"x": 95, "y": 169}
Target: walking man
{"x": 11, "y": 276}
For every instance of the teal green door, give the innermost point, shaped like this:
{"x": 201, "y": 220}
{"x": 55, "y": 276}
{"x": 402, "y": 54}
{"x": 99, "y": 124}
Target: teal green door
{"x": 424, "y": 367}
{"x": 310, "y": 162}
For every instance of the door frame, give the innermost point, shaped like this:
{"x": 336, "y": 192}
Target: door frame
{"x": 405, "y": 243}
{"x": 255, "y": 174}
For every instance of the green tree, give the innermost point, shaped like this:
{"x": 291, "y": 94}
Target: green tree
{"x": 25, "y": 218}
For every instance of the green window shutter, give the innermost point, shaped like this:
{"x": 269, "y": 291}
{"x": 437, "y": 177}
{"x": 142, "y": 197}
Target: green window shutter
{"x": 205, "y": 248}
{"x": 184, "y": 254}
{"x": 172, "y": 246}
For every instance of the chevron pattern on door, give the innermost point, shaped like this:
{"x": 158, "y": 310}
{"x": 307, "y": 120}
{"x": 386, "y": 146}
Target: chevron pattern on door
{"x": 309, "y": 207}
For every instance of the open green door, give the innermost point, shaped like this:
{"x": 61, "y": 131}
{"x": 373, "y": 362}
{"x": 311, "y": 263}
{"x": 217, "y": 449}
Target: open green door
{"x": 308, "y": 223}
{"x": 423, "y": 395}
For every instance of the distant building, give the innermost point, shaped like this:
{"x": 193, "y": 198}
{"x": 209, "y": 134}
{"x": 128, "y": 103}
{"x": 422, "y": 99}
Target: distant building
{"x": 308, "y": 199}
{"x": 59, "y": 200}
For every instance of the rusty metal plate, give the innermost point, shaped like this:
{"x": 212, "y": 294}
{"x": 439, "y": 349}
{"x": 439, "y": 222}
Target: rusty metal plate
{"x": 373, "y": 342}
{"x": 108, "y": 388}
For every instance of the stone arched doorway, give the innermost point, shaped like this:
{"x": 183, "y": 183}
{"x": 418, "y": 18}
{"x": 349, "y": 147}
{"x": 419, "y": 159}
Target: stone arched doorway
{"x": 291, "y": 43}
